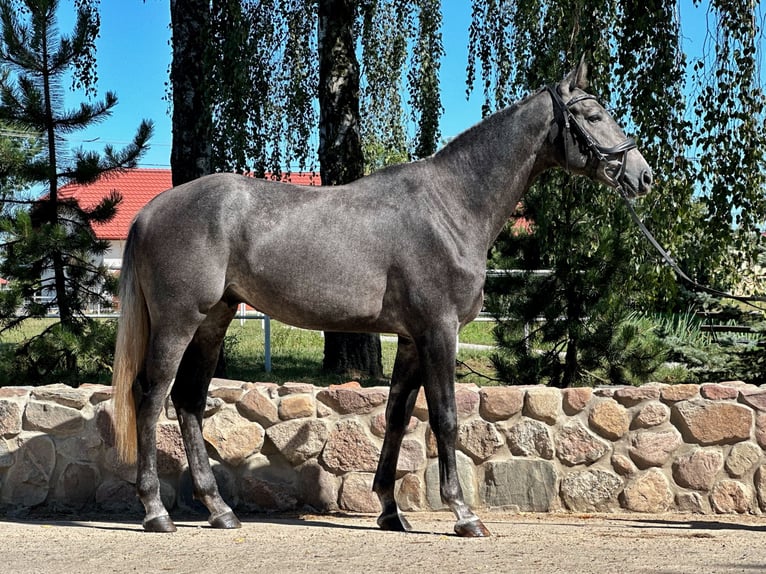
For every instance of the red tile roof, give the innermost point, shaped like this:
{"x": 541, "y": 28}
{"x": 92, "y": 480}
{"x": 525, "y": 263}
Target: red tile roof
{"x": 138, "y": 187}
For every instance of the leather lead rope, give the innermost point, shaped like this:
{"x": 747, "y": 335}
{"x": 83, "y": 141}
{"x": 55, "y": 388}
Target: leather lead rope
{"x": 673, "y": 265}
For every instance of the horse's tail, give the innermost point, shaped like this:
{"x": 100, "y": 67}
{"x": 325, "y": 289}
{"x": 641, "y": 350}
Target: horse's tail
{"x": 129, "y": 354}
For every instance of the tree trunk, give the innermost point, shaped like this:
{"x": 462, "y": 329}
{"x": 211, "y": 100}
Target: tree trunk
{"x": 190, "y": 155}
{"x": 341, "y": 158}
{"x": 191, "y": 152}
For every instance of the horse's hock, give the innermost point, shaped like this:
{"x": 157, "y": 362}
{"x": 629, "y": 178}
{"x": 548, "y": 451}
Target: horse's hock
{"x": 654, "y": 448}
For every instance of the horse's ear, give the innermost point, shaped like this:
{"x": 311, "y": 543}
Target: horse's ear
{"x": 578, "y": 78}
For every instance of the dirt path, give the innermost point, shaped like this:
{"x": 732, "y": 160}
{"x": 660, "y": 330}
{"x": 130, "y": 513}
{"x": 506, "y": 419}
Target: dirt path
{"x": 521, "y": 543}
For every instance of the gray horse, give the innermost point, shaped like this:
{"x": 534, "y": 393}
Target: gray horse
{"x": 400, "y": 251}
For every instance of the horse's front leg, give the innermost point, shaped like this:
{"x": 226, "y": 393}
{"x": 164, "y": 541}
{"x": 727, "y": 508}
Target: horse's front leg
{"x": 405, "y": 383}
{"x": 438, "y": 353}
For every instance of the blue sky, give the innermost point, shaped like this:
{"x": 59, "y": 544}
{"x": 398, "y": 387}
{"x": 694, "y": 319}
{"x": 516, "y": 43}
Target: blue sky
{"x": 133, "y": 55}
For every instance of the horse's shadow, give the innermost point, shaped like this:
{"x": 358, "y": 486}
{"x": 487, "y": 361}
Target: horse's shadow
{"x": 653, "y": 523}
{"x": 189, "y": 521}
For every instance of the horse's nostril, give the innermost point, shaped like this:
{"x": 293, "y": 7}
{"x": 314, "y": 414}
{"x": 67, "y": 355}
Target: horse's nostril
{"x": 646, "y": 178}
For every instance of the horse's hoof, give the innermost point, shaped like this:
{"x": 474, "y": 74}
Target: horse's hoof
{"x": 159, "y": 524}
{"x": 394, "y": 521}
{"x": 227, "y": 520}
{"x": 471, "y": 529}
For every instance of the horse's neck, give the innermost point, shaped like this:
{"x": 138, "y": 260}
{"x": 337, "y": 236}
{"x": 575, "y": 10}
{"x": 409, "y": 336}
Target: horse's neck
{"x": 493, "y": 163}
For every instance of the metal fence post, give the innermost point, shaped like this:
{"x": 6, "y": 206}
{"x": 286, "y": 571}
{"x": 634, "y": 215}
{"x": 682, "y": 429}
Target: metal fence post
{"x": 267, "y": 343}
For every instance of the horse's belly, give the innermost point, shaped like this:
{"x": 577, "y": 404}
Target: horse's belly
{"x": 313, "y": 304}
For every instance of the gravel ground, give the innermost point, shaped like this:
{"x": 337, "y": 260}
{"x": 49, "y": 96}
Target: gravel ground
{"x": 520, "y": 543}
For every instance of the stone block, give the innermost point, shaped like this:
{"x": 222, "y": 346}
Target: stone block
{"x": 378, "y": 425}
{"x": 358, "y": 401}
{"x": 543, "y": 404}
{"x": 268, "y": 484}
{"x": 232, "y": 437}
{"x": 299, "y": 440}
{"x": 466, "y": 477}
{"x": 577, "y": 445}
{"x": 297, "y": 406}
{"x": 420, "y": 410}
{"x": 716, "y": 392}
{"x": 63, "y": 394}
{"x": 229, "y": 395}
{"x": 623, "y": 465}
{"x": 7, "y": 453}
{"x": 356, "y": 493}
{"x": 675, "y": 393}
{"x": 291, "y": 388}
{"x": 76, "y": 486}
{"x": 500, "y": 403}
{"x": 259, "y": 408}
{"x": 648, "y": 492}
{"x": 349, "y": 449}
{"x": 115, "y": 495}
{"x": 53, "y": 418}
{"x": 698, "y": 470}
{"x": 98, "y": 393}
{"x": 709, "y": 422}
{"x": 651, "y": 415}
{"x": 731, "y": 497}
{"x": 609, "y": 419}
{"x": 692, "y": 502}
{"x": 412, "y": 456}
{"x": 654, "y": 448}
{"x": 742, "y": 458}
{"x": 479, "y": 439}
{"x": 591, "y": 491}
{"x": 755, "y": 400}
{"x": 409, "y": 493}
{"x": 10, "y": 418}
{"x": 760, "y": 486}
{"x": 631, "y": 396}
{"x": 15, "y": 392}
{"x": 575, "y": 399}
{"x": 171, "y": 455}
{"x": 528, "y": 437}
{"x": 466, "y": 400}
{"x": 317, "y": 488}
{"x": 27, "y": 482}
{"x": 529, "y": 485}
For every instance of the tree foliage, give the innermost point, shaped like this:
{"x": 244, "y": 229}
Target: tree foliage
{"x": 265, "y": 74}
{"x": 49, "y": 253}
{"x": 700, "y": 210}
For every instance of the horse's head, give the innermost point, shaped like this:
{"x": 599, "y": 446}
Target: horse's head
{"x": 590, "y": 142}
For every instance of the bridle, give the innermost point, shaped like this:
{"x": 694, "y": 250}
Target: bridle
{"x": 597, "y": 153}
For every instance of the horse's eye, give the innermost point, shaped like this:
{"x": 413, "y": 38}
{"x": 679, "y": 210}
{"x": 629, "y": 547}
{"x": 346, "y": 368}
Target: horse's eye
{"x": 595, "y": 118}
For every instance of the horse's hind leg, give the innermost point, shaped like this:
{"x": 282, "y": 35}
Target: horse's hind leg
{"x": 189, "y": 396}
{"x": 405, "y": 383}
{"x": 166, "y": 347}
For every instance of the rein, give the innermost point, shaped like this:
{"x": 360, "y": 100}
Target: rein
{"x": 597, "y": 154}
{"x": 674, "y": 266}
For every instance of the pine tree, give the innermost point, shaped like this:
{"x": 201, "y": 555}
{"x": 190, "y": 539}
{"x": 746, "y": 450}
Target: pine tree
{"x": 49, "y": 253}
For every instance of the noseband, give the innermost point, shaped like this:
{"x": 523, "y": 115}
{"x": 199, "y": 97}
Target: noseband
{"x": 597, "y": 153}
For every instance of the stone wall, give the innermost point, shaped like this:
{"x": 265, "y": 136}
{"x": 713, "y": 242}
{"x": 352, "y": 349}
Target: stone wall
{"x": 654, "y": 448}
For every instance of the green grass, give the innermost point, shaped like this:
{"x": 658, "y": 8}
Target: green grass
{"x": 26, "y": 330}
{"x": 296, "y": 354}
